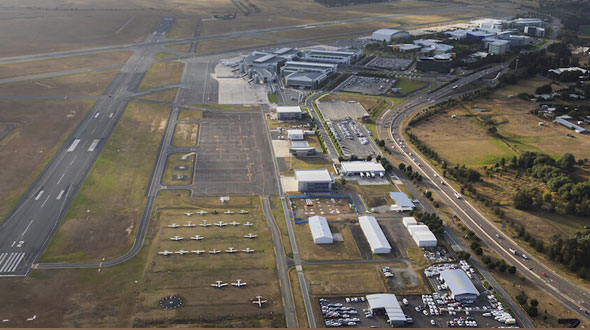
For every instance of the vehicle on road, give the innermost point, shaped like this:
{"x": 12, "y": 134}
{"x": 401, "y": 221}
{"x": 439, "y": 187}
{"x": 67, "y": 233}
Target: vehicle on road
{"x": 458, "y": 195}
{"x": 525, "y": 257}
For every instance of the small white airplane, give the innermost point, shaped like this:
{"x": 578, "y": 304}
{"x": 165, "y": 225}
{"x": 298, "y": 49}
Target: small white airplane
{"x": 243, "y": 212}
{"x": 176, "y": 238}
{"x": 250, "y": 235}
{"x": 214, "y": 251}
{"x": 198, "y": 252}
{"x": 233, "y": 223}
{"x": 231, "y": 250}
{"x": 197, "y": 237}
{"x": 173, "y": 225}
{"x": 259, "y": 301}
{"x": 239, "y": 283}
{"x": 189, "y": 214}
{"x": 189, "y": 224}
{"x": 182, "y": 252}
{"x": 229, "y": 212}
{"x": 220, "y": 224}
{"x": 248, "y": 250}
{"x": 201, "y": 212}
{"x": 248, "y": 224}
{"x": 219, "y": 284}
{"x": 204, "y": 224}
{"x": 165, "y": 253}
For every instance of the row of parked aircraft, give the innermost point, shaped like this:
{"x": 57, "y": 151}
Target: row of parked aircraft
{"x": 206, "y": 224}
{"x": 220, "y": 284}
{"x": 198, "y": 252}
{"x": 201, "y": 212}
{"x": 180, "y": 238}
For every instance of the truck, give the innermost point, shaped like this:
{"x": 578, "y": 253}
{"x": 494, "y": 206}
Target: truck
{"x": 513, "y": 251}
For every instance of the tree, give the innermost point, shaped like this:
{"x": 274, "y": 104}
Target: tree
{"x": 402, "y": 166}
{"x": 523, "y": 200}
{"x": 547, "y": 197}
{"x": 492, "y": 130}
{"x": 545, "y": 89}
{"x": 522, "y": 298}
{"x": 534, "y": 302}
{"x": 567, "y": 161}
{"x": 369, "y": 158}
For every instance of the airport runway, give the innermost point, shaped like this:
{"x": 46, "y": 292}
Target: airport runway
{"x": 573, "y": 296}
{"x": 28, "y": 228}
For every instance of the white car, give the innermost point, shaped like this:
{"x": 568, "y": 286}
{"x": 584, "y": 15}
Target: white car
{"x": 432, "y": 322}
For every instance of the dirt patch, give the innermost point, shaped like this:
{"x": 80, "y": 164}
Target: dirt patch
{"x": 331, "y": 208}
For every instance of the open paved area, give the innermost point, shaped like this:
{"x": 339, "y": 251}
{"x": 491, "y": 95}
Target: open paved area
{"x": 340, "y": 110}
{"x": 232, "y": 157}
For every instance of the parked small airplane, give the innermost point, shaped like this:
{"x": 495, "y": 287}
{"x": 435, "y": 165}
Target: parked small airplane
{"x": 197, "y": 237}
{"x": 189, "y": 214}
{"x": 173, "y": 225}
{"x": 189, "y": 224}
{"x": 204, "y": 224}
{"x": 220, "y": 224}
{"x": 250, "y": 235}
{"x": 248, "y": 250}
{"x": 201, "y": 212}
{"x": 198, "y": 251}
{"x": 181, "y": 252}
{"x": 176, "y": 238}
{"x": 229, "y": 212}
{"x": 231, "y": 250}
{"x": 214, "y": 251}
{"x": 248, "y": 224}
{"x": 219, "y": 284}
{"x": 259, "y": 301}
{"x": 233, "y": 223}
{"x": 165, "y": 253}
{"x": 243, "y": 212}
{"x": 239, "y": 283}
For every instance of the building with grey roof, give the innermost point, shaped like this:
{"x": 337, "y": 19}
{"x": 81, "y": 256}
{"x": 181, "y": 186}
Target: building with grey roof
{"x": 320, "y": 230}
{"x": 402, "y": 201}
{"x": 289, "y": 112}
{"x": 307, "y": 74}
{"x": 389, "y": 34}
{"x": 578, "y": 129}
{"x": 301, "y": 149}
{"x": 314, "y": 180}
{"x": 374, "y": 235}
{"x": 331, "y": 56}
{"x": 387, "y": 303}
{"x": 461, "y": 287}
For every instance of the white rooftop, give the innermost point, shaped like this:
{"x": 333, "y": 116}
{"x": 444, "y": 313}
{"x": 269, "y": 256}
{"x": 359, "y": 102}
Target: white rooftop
{"x": 401, "y": 199}
{"x": 389, "y": 303}
{"x": 361, "y": 166}
{"x": 374, "y": 234}
{"x": 320, "y": 228}
{"x": 289, "y": 109}
{"x": 458, "y": 282}
{"x": 321, "y": 175}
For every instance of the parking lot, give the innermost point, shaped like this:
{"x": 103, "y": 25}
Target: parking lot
{"x": 366, "y": 85}
{"x": 353, "y": 138}
{"x": 232, "y": 158}
{"x": 391, "y": 63}
{"x": 326, "y": 207}
{"x": 341, "y": 110}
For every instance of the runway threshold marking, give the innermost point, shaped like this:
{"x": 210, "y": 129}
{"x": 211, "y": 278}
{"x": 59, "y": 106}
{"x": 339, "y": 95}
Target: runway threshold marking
{"x": 60, "y": 194}
{"x": 73, "y": 145}
{"x": 93, "y": 145}
{"x": 12, "y": 262}
{"x": 97, "y": 114}
{"x": 39, "y": 195}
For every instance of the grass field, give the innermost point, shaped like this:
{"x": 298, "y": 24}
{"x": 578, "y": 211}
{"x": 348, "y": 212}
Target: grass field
{"x": 173, "y": 161}
{"x": 190, "y": 276}
{"x": 82, "y": 84}
{"x": 221, "y": 45}
{"x": 182, "y": 28}
{"x": 185, "y": 47}
{"x": 298, "y": 299}
{"x": 41, "y": 127}
{"x": 333, "y": 30}
{"x": 344, "y": 279}
{"x": 166, "y": 96}
{"x": 185, "y": 135}
{"x": 165, "y": 55}
{"x": 373, "y": 195}
{"x": 279, "y": 216}
{"x": 408, "y": 85}
{"x": 102, "y": 219}
{"x": 346, "y": 250}
{"x": 161, "y": 74}
{"x": 64, "y": 64}
{"x": 189, "y": 114}
{"x": 305, "y": 163}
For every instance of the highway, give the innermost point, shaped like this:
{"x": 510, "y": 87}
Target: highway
{"x": 28, "y": 228}
{"x": 574, "y": 297}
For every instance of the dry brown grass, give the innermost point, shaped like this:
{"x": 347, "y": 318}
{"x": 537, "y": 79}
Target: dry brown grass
{"x": 182, "y": 28}
{"x": 346, "y": 250}
{"x": 64, "y": 64}
{"x": 41, "y": 127}
{"x": 344, "y": 279}
{"x": 166, "y": 96}
{"x": 339, "y": 29}
{"x": 181, "y": 47}
{"x": 161, "y": 74}
{"x": 82, "y": 84}
{"x": 185, "y": 135}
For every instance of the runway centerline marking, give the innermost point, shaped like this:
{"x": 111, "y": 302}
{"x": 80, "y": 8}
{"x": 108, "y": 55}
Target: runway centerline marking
{"x": 26, "y": 229}
{"x": 73, "y": 160}
{"x": 45, "y": 201}
{"x": 62, "y": 176}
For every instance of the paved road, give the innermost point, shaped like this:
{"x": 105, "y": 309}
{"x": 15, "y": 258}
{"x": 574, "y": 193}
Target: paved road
{"x": 573, "y": 296}
{"x": 162, "y": 41}
{"x": 28, "y": 228}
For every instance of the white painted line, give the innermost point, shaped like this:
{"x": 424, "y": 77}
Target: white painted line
{"x": 97, "y": 114}
{"x": 8, "y": 261}
{"x": 45, "y": 201}
{"x": 26, "y": 229}
{"x": 13, "y": 243}
{"x": 39, "y": 195}
{"x": 73, "y": 160}
{"x": 73, "y": 145}
{"x": 2, "y": 257}
{"x": 15, "y": 265}
{"x": 92, "y": 132}
{"x": 93, "y": 145}
{"x": 111, "y": 115}
{"x": 60, "y": 194}
{"x": 62, "y": 176}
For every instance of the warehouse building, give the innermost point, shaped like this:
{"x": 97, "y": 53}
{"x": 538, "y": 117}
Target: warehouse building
{"x": 422, "y": 235}
{"x": 320, "y": 230}
{"x": 387, "y": 303}
{"x": 314, "y": 180}
{"x": 301, "y": 149}
{"x": 307, "y": 74}
{"x": 408, "y": 221}
{"x": 295, "y": 134}
{"x": 374, "y": 235}
{"x": 534, "y": 31}
{"x": 289, "y": 113}
{"x": 479, "y": 35}
{"x": 359, "y": 167}
{"x": 403, "y": 202}
{"x": 389, "y": 34}
{"x": 461, "y": 287}
{"x": 331, "y": 56}
{"x": 578, "y": 129}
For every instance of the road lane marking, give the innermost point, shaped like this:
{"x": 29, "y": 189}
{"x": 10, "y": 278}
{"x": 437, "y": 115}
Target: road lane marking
{"x": 93, "y": 145}
{"x": 26, "y": 229}
{"x": 111, "y": 115}
{"x": 39, "y": 195}
{"x": 45, "y": 201}
{"x": 73, "y": 145}
{"x": 97, "y": 114}
{"x": 62, "y": 176}
{"x": 72, "y": 162}
{"x": 60, "y": 194}
{"x": 92, "y": 132}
